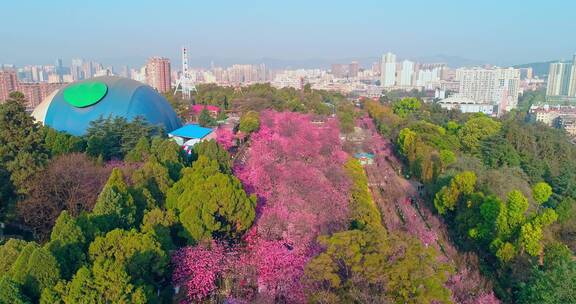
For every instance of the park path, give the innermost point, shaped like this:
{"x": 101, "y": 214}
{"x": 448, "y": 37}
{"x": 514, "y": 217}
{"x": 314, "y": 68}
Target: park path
{"x": 397, "y": 197}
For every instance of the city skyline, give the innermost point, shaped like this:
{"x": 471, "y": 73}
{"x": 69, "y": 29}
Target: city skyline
{"x": 298, "y": 31}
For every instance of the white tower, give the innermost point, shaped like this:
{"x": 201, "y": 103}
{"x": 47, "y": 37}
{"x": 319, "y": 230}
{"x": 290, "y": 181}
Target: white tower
{"x": 185, "y": 84}
{"x": 388, "y": 74}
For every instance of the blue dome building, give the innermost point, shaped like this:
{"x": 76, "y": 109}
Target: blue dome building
{"x": 72, "y": 108}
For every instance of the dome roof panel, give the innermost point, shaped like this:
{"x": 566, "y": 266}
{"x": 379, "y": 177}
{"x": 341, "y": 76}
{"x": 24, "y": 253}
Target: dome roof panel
{"x": 124, "y": 98}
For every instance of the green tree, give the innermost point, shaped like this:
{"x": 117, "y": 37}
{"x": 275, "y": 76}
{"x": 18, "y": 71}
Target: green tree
{"x": 364, "y": 213}
{"x": 212, "y": 150}
{"x": 352, "y": 263}
{"x": 346, "y": 118}
{"x": 140, "y": 152}
{"x": 447, "y": 198}
{"x": 115, "y": 205}
{"x": 205, "y": 120}
{"x": 113, "y": 285}
{"x": 169, "y": 154}
{"x": 210, "y": 203}
{"x": 506, "y": 252}
{"x": 83, "y": 289}
{"x": 541, "y": 192}
{"x": 159, "y": 224}
{"x": 139, "y": 255}
{"x": 530, "y": 237}
{"x": 22, "y": 151}
{"x": 133, "y": 132}
{"x": 545, "y": 217}
{"x": 493, "y": 220}
{"x": 406, "y": 140}
{"x": 475, "y": 130}
{"x": 155, "y": 178}
{"x": 447, "y": 157}
{"x": 180, "y": 106}
{"x": 550, "y": 286}
{"x": 9, "y": 252}
{"x": 359, "y": 266}
{"x": 420, "y": 264}
{"x": 555, "y": 254}
{"x": 6, "y": 193}
{"x": 114, "y": 137}
{"x": 10, "y": 292}
{"x": 249, "y": 122}
{"x": 59, "y": 143}
{"x": 496, "y": 151}
{"x": 406, "y": 106}
{"x": 35, "y": 269}
{"x": 517, "y": 205}
{"x": 67, "y": 244}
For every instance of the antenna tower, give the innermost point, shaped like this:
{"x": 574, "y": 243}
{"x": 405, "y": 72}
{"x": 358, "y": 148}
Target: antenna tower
{"x": 185, "y": 84}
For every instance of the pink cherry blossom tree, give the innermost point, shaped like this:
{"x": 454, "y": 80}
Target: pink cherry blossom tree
{"x": 197, "y": 269}
{"x": 225, "y": 137}
{"x": 295, "y": 168}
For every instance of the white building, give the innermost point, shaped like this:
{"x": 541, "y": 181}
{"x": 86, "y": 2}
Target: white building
{"x": 562, "y": 79}
{"x": 497, "y": 86}
{"x": 388, "y": 73}
{"x": 406, "y": 73}
{"x": 429, "y": 78}
{"x": 466, "y": 105}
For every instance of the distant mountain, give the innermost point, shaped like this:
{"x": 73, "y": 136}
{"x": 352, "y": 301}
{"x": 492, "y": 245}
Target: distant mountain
{"x": 539, "y": 69}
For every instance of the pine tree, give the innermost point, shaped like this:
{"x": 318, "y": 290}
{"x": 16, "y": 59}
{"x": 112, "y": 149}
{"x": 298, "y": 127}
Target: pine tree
{"x": 210, "y": 203}
{"x": 10, "y": 292}
{"x": 115, "y": 205}
{"x": 67, "y": 244}
{"x": 22, "y": 149}
{"x": 204, "y": 119}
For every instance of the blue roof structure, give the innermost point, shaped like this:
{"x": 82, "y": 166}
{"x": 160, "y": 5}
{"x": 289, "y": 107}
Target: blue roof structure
{"x": 192, "y": 131}
{"x": 123, "y": 97}
{"x": 364, "y": 155}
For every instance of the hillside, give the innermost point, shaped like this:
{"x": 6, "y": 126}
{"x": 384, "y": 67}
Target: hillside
{"x": 540, "y": 69}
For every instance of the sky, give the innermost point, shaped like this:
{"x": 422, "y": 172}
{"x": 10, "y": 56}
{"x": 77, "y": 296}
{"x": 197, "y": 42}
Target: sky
{"x": 499, "y": 32}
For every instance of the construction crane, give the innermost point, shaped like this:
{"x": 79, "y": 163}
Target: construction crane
{"x": 185, "y": 84}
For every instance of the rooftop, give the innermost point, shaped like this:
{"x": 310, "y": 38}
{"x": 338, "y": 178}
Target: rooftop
{"x": 191, "y": 131}
{"x": 364, "y": 155}
{"x": 457, "y": 99}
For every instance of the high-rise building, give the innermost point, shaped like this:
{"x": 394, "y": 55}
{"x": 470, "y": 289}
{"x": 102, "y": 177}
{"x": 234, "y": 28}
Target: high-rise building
{"x": 59, "y": 69}
{"x": 8, "y": 83}
{"x": 88, "y": 69}
{"x": 490, "y": 86}
{"x": 125, "y": 71}
{"x": 36, "y": 92}
{"x": 388, "y": 74}
{"x": 353, "y": 69}
{"x": 559, "y": 79}
{"x": 561, "y": 87}
{"x": 572, "y": 85}
{"x": 406, "y": 73}
{"x": 158, "y": 74}
{"x": 339, "y": 70}
{"x": 526, "y": 73}
{"x": 76, "y": 69}
{"x": 376, "y": 67}
{"x": 428, "y": 77}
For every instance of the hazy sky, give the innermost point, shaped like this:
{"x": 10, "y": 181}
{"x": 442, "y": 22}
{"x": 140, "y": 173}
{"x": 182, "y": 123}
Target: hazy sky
{"x": 501, "y": 32}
